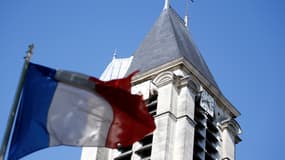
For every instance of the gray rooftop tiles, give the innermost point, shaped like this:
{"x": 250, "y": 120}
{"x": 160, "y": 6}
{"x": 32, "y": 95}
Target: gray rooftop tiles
{"x": 167, "y": 41}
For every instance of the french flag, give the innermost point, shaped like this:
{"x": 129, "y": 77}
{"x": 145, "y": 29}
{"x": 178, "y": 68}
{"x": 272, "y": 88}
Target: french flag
{"x": 67, "y": 108}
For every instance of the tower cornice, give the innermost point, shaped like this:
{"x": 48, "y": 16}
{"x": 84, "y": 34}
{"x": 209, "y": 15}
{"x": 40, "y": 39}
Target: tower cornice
{"x": 182, "y": 63}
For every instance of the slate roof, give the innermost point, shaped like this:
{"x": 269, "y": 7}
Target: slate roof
{"x": 117, "y": 68}
{"x": 167, "y": 41}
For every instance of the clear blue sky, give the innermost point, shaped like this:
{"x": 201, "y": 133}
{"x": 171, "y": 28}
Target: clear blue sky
{"x": 243, "y": 42}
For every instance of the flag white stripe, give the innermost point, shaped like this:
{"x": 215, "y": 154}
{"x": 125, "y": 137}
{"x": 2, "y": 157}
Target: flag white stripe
{"x": 86, "y": 111}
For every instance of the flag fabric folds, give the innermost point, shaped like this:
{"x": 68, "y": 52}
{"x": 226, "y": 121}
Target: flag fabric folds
{"x": 67, "y": 108}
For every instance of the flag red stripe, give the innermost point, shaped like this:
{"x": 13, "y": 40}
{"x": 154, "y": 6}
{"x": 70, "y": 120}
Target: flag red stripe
{"x": 131, "y": 119}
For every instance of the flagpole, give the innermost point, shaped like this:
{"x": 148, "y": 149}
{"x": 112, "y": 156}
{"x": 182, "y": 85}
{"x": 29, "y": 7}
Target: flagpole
{"x": 15, "y": 103}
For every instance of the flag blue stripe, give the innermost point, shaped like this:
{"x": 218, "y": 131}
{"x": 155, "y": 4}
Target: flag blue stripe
{"x": 30, "y": 133}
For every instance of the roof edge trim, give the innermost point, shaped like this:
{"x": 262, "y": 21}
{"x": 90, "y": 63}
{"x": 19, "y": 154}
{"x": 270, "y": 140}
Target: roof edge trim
{"x": 212, "y": 89}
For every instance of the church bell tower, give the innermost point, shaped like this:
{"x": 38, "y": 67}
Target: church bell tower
{"x": 194, "y": 120}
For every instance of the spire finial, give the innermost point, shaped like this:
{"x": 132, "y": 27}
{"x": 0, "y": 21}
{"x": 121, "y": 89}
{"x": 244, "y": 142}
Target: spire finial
{"x": 115, "y": 54}
{"x": 186, "y": 18}
{"x": 166, "y": 4}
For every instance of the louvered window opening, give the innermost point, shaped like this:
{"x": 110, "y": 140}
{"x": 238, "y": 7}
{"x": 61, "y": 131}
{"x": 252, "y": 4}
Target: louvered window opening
{"x": 206, "y": 133}
{"x": 144, "y": 151}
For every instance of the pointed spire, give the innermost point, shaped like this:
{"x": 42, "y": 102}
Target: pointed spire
{"x": 177, "y": 43}
{"x": 166, "y": 4}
